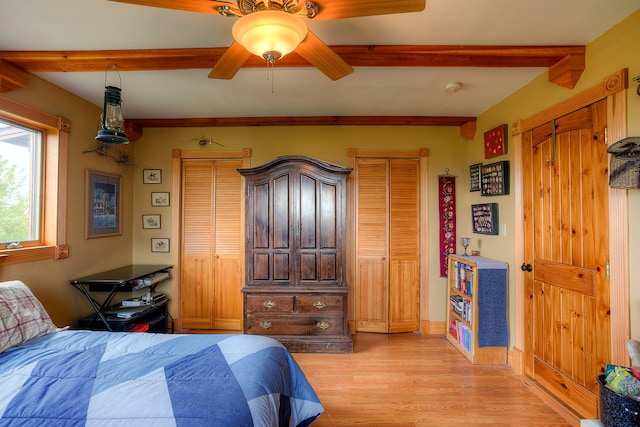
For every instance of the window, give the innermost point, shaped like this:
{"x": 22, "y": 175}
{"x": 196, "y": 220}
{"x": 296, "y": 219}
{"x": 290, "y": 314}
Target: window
{"x": 20, "y": 183}
{"x": 33, "y": 184}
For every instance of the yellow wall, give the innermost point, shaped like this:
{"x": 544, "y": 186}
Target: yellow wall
{"x": 48, "y": 279}
{"x": 616, "y": 49}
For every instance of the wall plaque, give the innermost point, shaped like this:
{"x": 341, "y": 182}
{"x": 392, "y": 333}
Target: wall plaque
{"x": 495, "y": 178}
{"x": 485, "y": 218}
{"x": 495, "y": 142}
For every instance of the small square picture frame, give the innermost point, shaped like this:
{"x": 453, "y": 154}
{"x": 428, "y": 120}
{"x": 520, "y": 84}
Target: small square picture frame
{"x": 160, "y": 244}
{"x": 152, "y": 176}
{"x": 160, "y": 198}
{"x": 151, "y": 221}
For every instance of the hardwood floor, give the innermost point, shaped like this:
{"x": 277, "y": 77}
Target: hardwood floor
{"x": 418, "y": 380}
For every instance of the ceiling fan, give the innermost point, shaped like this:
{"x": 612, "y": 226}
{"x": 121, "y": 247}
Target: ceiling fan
{"x": 273, "y": 28}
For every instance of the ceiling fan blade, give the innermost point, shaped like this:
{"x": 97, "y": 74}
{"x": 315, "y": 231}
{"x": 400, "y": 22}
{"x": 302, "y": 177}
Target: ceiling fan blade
{"x": 200, "y": 6}
{"x": 230, "y": 62}
{"x": 338, "y": 9}
{"x": 323, "y": 57}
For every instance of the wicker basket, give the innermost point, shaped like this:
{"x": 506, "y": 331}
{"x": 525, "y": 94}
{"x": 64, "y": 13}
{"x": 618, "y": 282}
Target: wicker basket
{"x": 617, "y": 410}
{"x": 624, "y": 168}
{"x": 624, "y": 172}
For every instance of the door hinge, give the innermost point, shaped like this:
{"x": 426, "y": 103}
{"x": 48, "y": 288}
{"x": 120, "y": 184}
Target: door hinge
{"x": 608, "y": 270}
{"x": 606, "y": 136}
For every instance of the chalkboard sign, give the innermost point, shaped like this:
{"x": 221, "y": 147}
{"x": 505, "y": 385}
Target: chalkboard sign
{"x": 485, "y": 218}
{"x": 495, "y": 178}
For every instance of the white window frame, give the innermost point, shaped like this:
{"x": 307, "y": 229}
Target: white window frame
{"x": 53, "y": 241}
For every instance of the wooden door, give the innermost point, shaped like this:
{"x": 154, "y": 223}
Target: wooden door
{"x": 321, "y": 209}
{"x": 372, "y": 270}
{"x": 270, "y": 230}
{"x": 404, "y": 245}
{"x": 211, "y": 245}
{"x": 567, "y": 318}
{"x": 387, "y": 245}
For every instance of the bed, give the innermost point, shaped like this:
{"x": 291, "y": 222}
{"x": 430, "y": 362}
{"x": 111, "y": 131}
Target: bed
{"x": 52, "y": 377}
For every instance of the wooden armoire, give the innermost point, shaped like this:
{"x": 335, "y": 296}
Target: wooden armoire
{"x": 295, "y": 289}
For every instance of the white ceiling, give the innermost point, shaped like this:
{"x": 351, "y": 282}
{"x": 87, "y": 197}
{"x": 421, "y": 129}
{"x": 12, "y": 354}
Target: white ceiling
{"x": 411, "y": 91}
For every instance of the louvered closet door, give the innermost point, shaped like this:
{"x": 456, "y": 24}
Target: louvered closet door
{"x": 404, "y": 245}
{"x": 211, "y": 258}
{"x": 372, "y": 270}
{"x": 387, "y": 245}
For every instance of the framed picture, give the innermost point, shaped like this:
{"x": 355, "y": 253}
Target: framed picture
{"x": 151, "y": 221}
{"x": 159, "y": 245}
{"x": 474, "y": 177}
{"x": 102, "y": 200}
{"x": 485, "y": 218}
{"x": 495, "y": 142}
{"x": 495, "y": 178}
{"x": 159, "y": 199}
{"x": 152, "y": 176}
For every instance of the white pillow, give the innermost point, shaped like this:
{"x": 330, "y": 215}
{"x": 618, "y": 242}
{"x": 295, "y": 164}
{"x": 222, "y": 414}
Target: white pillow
{"x": 22, "y": 316}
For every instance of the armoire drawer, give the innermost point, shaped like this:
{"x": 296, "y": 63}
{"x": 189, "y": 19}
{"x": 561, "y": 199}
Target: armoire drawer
{"x": 264, "y": 303}
{"x": 265, "y": 324}
{"x": 320, "y": 304}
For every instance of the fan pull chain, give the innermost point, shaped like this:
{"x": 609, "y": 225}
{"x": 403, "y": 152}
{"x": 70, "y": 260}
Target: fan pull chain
{"x": 272, "y": 78}
{"x": 270, "y": 67}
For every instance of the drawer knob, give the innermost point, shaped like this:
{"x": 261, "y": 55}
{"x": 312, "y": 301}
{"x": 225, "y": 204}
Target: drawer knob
{"x": 265, "y": 324}
{"x": 270, "y": 304}
{"x": 319, "y": 305}
{"x": 323, "y": 325}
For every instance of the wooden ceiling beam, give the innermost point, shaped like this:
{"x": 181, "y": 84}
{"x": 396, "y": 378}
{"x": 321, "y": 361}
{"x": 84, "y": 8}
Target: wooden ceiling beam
{"x": 12, "y": 77}
{"x": 134, "y": 127}
{"x": 565, "y": 62}
{"x": 304, "y": 121}
{"x": 567, "y": 71}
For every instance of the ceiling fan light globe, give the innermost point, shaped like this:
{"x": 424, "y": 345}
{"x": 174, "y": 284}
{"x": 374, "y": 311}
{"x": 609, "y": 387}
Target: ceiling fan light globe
{"x": 269, "y": 31}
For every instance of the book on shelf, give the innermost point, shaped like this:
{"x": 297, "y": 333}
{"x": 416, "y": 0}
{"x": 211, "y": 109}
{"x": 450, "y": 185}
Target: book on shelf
{"x": 463, "y": 278}
{"x": 462, "y": 307}
{"x": 453, "y": 328}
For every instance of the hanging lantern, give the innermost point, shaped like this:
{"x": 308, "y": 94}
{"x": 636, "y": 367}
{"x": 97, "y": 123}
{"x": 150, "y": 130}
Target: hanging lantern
{"x": 112, "y": 121}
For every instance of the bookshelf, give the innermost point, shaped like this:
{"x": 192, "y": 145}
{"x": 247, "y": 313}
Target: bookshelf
{"x": 477, "y": 322}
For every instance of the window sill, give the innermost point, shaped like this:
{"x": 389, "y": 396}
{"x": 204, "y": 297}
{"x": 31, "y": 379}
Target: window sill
{"x": 34, "y": 253}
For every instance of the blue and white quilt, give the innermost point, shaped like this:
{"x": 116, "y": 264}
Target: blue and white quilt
{"x": 87, "y": 378}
